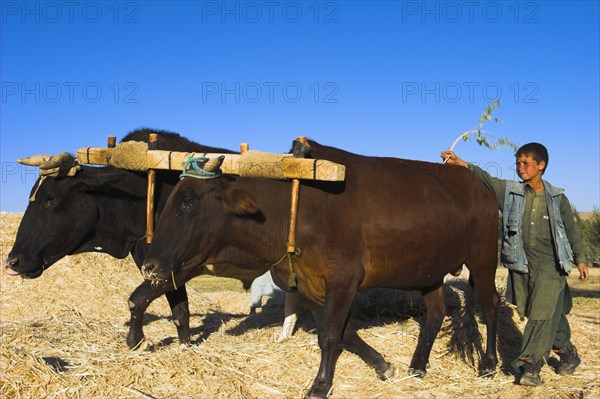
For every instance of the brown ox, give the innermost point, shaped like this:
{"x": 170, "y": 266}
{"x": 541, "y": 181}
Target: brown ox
{"x": 393, "y": 223}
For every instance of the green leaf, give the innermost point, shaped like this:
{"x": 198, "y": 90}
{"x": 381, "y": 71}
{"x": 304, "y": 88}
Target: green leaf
{"x": 481, "y": 136}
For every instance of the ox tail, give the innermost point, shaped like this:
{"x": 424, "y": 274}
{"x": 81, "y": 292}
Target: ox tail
{"x": 462, "y": 328}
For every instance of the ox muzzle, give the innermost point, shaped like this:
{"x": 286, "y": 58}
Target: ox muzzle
{"x": 151, "y": 271}
{"x": 8, "y": 266}
{"x": 13, "y": 266}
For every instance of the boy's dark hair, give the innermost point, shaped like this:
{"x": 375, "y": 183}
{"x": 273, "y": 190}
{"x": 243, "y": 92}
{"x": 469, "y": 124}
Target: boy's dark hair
{"x": 536, "y": 151}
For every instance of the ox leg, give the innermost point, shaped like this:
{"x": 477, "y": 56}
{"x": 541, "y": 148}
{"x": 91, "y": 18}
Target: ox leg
{"x": 436, "y": 311}
{"x": 292, "y": 308}
{"x": 178, "y": 301}
{"x": 483, "y": 281}
{"x": 139, "y": 301}
{"x": 355, "y": 344}
{"x": 331, "y": 323}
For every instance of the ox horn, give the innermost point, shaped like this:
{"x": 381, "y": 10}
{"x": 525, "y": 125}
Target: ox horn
{"x": 35, "y": 160}
{"x": 213, "y": 164}
{"x": 48, "y": 161}
{"x": 62, "y": 159}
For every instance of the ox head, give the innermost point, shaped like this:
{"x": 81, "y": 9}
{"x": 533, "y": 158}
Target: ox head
{"x": 63, "y": 207}
{"x": 199, "y": 216}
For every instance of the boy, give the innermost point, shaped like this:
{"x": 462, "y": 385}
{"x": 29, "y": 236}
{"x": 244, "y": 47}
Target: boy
{"x": 540, "y": 244}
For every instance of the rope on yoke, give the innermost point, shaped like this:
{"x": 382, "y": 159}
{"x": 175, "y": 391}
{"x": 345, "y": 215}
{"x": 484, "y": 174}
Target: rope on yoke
{"x": 192, "y": 168}
{"x": 292, "y": 279}
{"x": 292, "y": 282}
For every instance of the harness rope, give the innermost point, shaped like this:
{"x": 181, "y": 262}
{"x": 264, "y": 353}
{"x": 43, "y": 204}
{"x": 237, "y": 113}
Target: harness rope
{"x": 53, "y": 172}
{"x": 37, "y": 188}
{"x": 292, "y": 279}
{"x": 173, "y": 277}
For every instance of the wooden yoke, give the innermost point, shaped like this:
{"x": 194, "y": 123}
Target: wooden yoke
{"x": 152, "y": 145}
{"x": 248, "y": 164}
{"x": 141, "y": 156}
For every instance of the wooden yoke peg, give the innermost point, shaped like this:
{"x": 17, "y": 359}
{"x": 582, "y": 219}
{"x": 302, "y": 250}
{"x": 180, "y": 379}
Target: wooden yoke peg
{"x": 112, "y": 141}
{"x": 244, "y": 147}
{"x": 302, "y": 139}
{"x": 291, "y": 243}
{"x": 152, "y": 145}
{"x": 153, "y": 141}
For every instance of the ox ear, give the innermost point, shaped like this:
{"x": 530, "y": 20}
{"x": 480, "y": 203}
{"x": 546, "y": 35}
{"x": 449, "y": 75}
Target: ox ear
{"x": 239, "y": 202}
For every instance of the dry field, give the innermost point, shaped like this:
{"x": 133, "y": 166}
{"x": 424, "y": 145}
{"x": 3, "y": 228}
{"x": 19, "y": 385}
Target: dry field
{"x": 63, "y": 336}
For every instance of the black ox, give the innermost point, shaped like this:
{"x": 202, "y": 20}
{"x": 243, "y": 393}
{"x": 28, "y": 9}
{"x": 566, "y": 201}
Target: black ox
{"x": 103, "y": 209}
{"x": 393, "y": 223}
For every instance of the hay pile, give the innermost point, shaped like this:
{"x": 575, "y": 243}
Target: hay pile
{"x": 63, "y": 335}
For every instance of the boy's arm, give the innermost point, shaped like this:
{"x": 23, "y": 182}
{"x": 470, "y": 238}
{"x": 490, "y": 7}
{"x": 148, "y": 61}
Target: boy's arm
{"x": 497, "y": 186}
{"x": 574, "y": 236}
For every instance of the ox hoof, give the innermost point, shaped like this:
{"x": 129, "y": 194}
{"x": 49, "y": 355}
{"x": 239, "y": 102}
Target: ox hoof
{"x": 417, "y": 373}
{"x": 134, "y": 342}
{"x": 320, "y": 391}
{"x": 487, "y": 367}
{"x": 145, "y": 345}
{"x": 283, "y": 338}
{"x": 315, "y": 396}
{"x": 185, "y": 340}
{"x": 487, "y": 373}
{"x": 387, "y": 373}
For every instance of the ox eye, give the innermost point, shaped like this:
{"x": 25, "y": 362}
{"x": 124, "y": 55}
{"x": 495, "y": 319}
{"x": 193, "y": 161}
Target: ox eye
{"x": 186, "y": 204}
{"x": 50, "y": 201}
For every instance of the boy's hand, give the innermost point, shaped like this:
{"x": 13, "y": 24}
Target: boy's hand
{"x": 451, "y": 158}
{"x": 583, "y": 271}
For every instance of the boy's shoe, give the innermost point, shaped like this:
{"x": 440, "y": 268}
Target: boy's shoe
{"x": 569, "y": 360}
{"x": 531, "y": 374}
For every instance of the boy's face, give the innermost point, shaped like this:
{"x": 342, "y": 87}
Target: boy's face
{"x": 528, "y": 168}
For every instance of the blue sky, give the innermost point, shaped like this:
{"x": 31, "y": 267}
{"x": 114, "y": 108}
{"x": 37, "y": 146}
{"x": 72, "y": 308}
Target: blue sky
{"x": 400, "y": 79}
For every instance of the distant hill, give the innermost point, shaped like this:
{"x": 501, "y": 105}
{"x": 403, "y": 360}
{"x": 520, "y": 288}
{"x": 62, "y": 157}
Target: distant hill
{"x": 586, "y": 215}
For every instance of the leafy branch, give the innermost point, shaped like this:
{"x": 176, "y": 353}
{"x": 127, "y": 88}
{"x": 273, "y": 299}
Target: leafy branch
{"x": 481, "y": 136}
